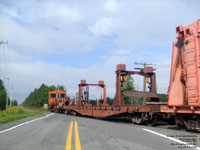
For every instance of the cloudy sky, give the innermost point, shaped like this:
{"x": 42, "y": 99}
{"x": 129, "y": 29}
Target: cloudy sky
{"x": 64, "y": 41}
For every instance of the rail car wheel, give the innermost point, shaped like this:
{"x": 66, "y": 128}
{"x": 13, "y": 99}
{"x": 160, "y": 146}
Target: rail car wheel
{"x": 171, "y": 121}
{"x": 74, "y": 113}
{"x": 137, "y": 119}
{"x": 52, "y": 109}
{"x": 180, "y": 122}
{"x": 188, "y": 122}
{"x": 152, "y": 121}
{"x": 66, "y": 112}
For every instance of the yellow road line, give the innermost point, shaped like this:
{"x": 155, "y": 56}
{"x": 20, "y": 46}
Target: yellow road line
{"x": 69, "y": 137}
{"x": 77, "y": 140}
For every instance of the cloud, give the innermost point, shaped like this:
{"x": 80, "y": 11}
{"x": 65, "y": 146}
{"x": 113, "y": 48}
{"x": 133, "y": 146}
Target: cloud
{"x": 44, "y": 29}
{"x": 121, "y": 52}
{"x": 104, "y": 26}
{"x": 62, "y": 12}
{"x": 110, "y": 5}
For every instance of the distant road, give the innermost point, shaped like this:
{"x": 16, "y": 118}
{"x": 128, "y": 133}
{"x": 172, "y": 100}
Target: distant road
{"x": 61, "y": 132}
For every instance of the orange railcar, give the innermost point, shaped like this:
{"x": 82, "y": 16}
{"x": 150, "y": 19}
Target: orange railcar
{"x": 184, "y": 89}
{"x": 57, "y": 100}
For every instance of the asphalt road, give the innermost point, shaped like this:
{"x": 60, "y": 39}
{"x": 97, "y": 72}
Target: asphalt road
{"x": 61, "y": 132}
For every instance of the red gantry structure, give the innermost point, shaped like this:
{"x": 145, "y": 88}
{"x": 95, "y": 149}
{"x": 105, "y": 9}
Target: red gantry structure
{"x": 83, "y": 97}
{"x": 139, "y": 113}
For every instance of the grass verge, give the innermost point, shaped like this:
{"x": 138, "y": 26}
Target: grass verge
{"x": 36, "y": 108}
{"x": 17, "y": 112}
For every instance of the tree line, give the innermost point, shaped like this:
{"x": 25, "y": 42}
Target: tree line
{"x": 109, "y": 101}
{"x": 3, "y": 97}
{"x": 39, "y": 96}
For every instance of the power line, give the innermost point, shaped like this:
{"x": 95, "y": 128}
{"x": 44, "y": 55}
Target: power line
{"x": 6, "y": 68}
{"x": 11, "y": 99}
{"x": 7, "y": 92}
{"x": 144, "y": 64}
{"x": 6, "y": 61}
{"x": 2, "y": 43}
{"x": 1, "y": 70}
{"x": 4, "y": 39}
{"x": 9, "y": 60}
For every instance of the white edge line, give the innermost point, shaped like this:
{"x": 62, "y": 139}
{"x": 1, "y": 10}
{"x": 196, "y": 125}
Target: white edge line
{"x": 173, "y": 139}
{"x": 25, "y": 123}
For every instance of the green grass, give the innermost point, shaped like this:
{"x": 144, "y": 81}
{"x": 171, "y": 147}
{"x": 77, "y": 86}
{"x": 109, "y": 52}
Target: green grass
{"x": 36, "y": 108}
{"x": 17, "y": 112}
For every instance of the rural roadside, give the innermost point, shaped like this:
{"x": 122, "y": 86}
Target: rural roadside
{"x": 6, "y": 117}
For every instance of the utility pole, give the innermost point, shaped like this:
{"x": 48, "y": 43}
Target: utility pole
{"x": 6, "y": 42}
{"x": 2, "y": 42}
{"x": 144, "y": 82}
{"x": 7, "y": 92}
{"x": 11, "y": 99}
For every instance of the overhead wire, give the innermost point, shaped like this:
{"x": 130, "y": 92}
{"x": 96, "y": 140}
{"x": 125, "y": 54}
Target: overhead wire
{"x": 5, "y": 61}
{"x": 1, "y": 70}
{"x": 3, "y": 38}
{"x": 9, "y": 60}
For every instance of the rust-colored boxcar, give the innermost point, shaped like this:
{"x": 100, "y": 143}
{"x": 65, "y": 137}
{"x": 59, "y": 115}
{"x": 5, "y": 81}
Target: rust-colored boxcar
{"x": 184, "y": 89}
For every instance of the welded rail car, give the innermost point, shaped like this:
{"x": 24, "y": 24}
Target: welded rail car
{"x": 184, "y": 89}
{"x": 139, "y": 114}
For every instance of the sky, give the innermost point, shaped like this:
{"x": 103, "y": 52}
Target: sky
{"x": 63, "y": 41}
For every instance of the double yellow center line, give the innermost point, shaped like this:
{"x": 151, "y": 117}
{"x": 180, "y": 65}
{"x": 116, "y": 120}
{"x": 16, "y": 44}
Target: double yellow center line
{"x": 69, "y": 137}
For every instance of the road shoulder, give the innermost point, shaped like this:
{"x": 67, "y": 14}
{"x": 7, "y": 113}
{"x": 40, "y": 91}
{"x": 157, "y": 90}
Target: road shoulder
{"x": 16, "y": 122}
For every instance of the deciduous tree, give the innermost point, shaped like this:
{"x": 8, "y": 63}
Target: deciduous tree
{"x": 2, "y": 96}
{"x": 129, "y": 86}
{"x": 14, "y": 102}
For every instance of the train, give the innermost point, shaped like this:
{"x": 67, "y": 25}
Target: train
{"x": 57, "y": 100}
{"x": 184, "y": 87}
{"x": 183, "y": 105}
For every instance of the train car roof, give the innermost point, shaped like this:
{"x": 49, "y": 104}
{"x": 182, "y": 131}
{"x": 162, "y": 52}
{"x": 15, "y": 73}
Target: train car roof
{"x": 57, "y": 91}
